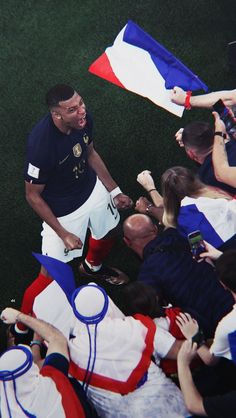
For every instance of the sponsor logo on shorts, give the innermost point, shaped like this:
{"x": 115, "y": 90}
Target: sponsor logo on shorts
{"x": 77, "y": 150}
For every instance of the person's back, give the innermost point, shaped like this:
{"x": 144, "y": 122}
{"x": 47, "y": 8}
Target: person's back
{"x": 168, "y": 266}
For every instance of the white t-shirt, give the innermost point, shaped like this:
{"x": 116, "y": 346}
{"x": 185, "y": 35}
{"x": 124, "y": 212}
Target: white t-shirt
{"x": 220, "y": 346}
{"x": 163, "y": 340}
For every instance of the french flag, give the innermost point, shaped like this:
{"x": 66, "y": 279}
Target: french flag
{"x": 232, "y": 344}
{"x": 138, "y": 63}
{"x": 214, "y": 218}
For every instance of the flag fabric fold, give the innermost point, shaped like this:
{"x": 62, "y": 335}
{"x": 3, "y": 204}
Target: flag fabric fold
{"x": 138, "y": 63}
{"x": 61, "y": 272}
{"x": 215, "y": 218}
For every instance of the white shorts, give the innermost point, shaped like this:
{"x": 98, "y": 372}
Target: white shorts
{"x": 98, "y": 213}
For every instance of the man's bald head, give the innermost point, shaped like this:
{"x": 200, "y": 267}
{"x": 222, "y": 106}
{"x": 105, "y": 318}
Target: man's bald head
{"x": 138, "y": 231}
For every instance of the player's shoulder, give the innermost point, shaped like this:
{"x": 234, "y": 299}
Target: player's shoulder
{"x": 41, "y": 131}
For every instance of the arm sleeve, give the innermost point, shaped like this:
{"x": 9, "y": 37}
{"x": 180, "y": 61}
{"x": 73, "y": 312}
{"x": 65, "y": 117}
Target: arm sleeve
{"x": 39, "y": 159}
{"x": 220, "y": 346}
{"x": 58, "y": 361}
{"x": 163, "y": 342}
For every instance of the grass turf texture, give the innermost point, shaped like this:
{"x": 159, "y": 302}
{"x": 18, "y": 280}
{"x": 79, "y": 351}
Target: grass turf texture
{"x": 51, "y": 41}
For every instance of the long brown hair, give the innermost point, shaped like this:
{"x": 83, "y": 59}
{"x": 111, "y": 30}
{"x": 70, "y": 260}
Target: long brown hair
{"x": 178, "y": 182}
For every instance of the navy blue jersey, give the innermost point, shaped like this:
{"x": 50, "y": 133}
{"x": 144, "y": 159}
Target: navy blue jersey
{"x": 60, "y": 162}
{"x": 206, "y": 171}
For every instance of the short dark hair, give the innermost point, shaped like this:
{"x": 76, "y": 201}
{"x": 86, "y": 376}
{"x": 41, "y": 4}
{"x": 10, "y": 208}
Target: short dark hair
{"x": 141, "y": 298}
{"x": 58, "y": 93}
{"x": 198, "y": 135}
{"x": 226, "y": 269}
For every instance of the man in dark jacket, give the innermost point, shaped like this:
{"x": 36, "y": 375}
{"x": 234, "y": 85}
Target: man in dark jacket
{"x": 168, "y": 266}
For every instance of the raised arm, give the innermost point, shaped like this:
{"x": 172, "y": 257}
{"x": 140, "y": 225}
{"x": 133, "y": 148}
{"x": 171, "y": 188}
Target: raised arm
{"x": 145, "y": 179}
{"x": 178, "y": 96}
{"x": 57, "y": 343}
{"x": 121, "y": 200}
{"x": 33, "y": 196}
{"x": 223, "y": 171}
{"x": 192, "y": 397}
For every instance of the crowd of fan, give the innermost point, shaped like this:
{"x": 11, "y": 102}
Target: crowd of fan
{"x": 169, "y": 349}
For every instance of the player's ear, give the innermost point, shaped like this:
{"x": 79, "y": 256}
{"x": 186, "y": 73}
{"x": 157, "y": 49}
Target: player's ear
{"x": 55, "y": 114}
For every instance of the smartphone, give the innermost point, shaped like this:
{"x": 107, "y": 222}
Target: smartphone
{"x": 197, "y": 245}
{"x": 225, "y": 115}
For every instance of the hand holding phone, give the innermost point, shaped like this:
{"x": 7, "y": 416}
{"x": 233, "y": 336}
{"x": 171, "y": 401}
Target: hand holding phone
{"x": 197, "y": 245}
{"x": 226, "y": 116}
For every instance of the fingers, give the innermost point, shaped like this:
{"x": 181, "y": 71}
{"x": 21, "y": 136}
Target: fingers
{"x": 184, "y": 317}
{"x": 3, "y": 318}
{"x": 216, "y": 115}
{"x": 178, "y": 137}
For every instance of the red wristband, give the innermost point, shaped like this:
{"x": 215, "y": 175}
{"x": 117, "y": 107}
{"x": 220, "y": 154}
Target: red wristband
{"x": 187, "y": 104}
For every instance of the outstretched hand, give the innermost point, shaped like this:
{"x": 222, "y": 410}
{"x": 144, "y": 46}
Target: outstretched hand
{"x": 188, "y": 325}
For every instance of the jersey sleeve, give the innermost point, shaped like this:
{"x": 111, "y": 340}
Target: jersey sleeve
{"x": 39, "y": 160}
{"x": 163, "y": 342}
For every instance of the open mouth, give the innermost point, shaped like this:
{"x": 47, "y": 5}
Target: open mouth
{"x": 82, "y": 121}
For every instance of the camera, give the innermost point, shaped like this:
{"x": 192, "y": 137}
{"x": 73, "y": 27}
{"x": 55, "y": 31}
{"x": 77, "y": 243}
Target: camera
{"x": 226, "y": 117}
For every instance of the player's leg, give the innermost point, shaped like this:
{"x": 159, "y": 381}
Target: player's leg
{"x": 103, "y": 223}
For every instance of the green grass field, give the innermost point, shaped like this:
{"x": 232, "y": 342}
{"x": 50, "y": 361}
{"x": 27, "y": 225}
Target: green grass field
{"x": 46, "y": 42}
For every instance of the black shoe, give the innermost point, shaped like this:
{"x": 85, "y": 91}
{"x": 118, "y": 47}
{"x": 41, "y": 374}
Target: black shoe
{"x": 110, "y": 275}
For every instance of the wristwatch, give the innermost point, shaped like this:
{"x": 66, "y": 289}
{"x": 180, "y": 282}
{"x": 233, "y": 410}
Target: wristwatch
{"x": 218, "y": 133}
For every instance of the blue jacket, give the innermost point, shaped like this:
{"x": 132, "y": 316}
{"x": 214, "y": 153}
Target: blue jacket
{"x": 168, "y": 266}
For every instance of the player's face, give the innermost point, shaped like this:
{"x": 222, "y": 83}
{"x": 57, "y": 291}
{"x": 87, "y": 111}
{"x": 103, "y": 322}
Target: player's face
{"x": 73, "y": 112}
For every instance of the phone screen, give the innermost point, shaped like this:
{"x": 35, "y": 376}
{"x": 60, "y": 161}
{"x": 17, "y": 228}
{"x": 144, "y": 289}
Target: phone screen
{"x": 196, "y": 244}
{"x": 220, "y": 108}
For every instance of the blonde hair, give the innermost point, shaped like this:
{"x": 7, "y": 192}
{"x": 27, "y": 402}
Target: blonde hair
{"x": 179, "y": 182}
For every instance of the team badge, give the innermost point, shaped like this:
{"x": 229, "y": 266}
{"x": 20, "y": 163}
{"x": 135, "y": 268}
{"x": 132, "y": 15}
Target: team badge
{"x": 86, "y": 138}
{"x": 77, "y": 150}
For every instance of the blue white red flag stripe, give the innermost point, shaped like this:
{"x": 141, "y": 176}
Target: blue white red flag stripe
{"x": 215, "y": 218}
{"x": 140, "y": 64}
